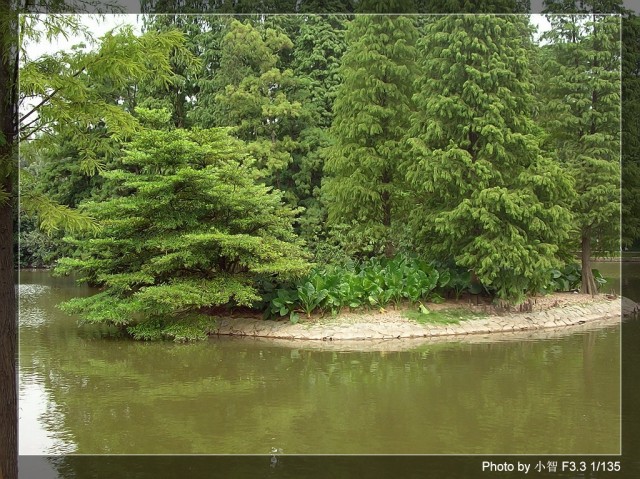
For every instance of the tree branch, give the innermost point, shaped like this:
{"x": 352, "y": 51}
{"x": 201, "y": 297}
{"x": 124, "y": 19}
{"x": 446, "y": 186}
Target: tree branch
{"x": 24, "y": 127}
{"x": 32, "y": 132}
{"x": 48, "y": 97}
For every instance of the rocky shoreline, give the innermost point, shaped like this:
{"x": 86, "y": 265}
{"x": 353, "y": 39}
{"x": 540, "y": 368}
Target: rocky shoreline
{"x": 559, "y": 311}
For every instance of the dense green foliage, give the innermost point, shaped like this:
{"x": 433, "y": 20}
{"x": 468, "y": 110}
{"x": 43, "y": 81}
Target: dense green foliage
{"x": 188, "y": 227}
{"x": 486, "y": 196}
{"x": 258, "y": 144}
{"x": 378, "y": 283}
{"x": 370, "y": 284}
{"x": 630, "y": 127}
{"x": 365, "y": 185}
{"x": 583, "y": 120}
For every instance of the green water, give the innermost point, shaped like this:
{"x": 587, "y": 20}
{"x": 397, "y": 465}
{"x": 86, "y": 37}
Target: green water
{"x": 85, "y": 391}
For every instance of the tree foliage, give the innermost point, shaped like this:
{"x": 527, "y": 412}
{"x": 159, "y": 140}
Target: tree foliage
{"x": 189, "y": 227}
{"x": 81, "y": 99}
{"x": 253, "y": 95}
{"x": 583, "y": 117}
{"x": 630, "y": 127}
{"x": 364, "y": 185}
{"x": 485, "y": 195}
{"x": 384, "y": 133}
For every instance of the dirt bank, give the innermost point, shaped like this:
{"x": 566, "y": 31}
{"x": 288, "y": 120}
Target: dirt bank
{"x": 561, "y": 310}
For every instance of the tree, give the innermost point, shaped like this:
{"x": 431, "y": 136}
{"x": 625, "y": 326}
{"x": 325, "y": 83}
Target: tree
{"x": 485, "y": 197}
{"x": 584, "y": 123}
{"x": 178, "y": 96}
{"x": 317, "y": 52}
{"x": 364, "y": 184}
{"x": 325, "y": 6}
{"x": 476, "y": 6}
{"x": 189, "y": 227}
{"x": 58, "y": 91}
{"x": 630, "y": 127}
{"x": 253, "y": 95}
{"x": 82, "y": 96}
{"x": 10, "y": 100}
{"x": 583, "y": 6}
{"x": 8, "y": 323}
{"x": 65, "y": 144}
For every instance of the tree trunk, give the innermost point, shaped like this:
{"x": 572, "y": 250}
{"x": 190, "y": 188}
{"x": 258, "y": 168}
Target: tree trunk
{"x": 588, "y": 281}
{"x": 8, "y": 163}
{"x": 8, "y": 327}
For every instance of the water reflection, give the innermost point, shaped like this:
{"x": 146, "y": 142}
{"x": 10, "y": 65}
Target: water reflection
{"x": 106, "y": 395}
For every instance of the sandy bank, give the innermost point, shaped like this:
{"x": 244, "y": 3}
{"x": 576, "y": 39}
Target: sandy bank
{"x": 558, "y": 311}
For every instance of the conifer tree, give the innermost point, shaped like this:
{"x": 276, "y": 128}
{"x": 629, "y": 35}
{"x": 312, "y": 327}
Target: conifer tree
{"x": 318, "y": 49}
{"x": 583, "y": 121}
{"x": 485, "y": 197}
{"x": 630, "y": 128}
{"x": 473, "y": 6}
{"x": 177, "y": 97}
{"x": 250, "y": 93}
{"x": 189, "y": 227}
{"x": 364, "y": 186}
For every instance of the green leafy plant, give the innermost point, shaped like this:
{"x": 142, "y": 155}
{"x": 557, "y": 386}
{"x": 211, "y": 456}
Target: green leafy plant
{"x": 371, "y": 283}
{"x": 283, "y": 303}
{"x": 309, "y": 298}
{"x": 569, "y": 278}
{"x": 600, "y": 280}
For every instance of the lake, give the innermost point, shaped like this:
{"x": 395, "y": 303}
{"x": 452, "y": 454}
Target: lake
{"x": 83, "y": 390}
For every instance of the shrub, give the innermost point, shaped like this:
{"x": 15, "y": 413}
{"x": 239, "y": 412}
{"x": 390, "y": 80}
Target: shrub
{"x": 371, "y": 283}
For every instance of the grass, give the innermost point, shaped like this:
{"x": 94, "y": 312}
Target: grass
{"x": 443, "y": 316}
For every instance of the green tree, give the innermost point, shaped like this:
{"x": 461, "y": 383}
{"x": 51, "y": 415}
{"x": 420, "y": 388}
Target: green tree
{"x": 317, "y": 53}
{"x": 82, "y": 97}
{"x": 476, "y": 6}
{"x": 64, "y": 143}
{"x": 364, "y": 183}
{"x": 11, "y": 97}
{"x": 583, "y": 6}
{"x": 62, "y": 85}
{"x": 253, "y": 95}
{"x": 485, "y": 197}
{"x": 178, "y": 96}
{"x": 630, "y": 184}
{"x": 326, "y": 6}
{"x": 583, "y": 120}
{"x": 190, "y": 228}
{"x": 630, "y": 128}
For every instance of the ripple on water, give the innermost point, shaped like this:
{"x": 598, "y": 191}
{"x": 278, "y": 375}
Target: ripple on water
{"x": 30, "y": 314}
{"x": 27, "y": 291}
{"x": 31, "y": 318}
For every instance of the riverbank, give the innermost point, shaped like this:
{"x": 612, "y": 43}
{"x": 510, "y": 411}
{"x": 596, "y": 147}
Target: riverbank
{"x": 560, "y": 310}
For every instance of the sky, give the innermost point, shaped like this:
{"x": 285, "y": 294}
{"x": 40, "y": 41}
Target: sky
{"x": 98, "y": 26}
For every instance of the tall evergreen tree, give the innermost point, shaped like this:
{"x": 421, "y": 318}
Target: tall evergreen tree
{"x": 630, "y": 129}
{"x": 485, "y": 196}
{"x": 177, "y": 97}
{"x": 475, "y": 6}
{"x": 251, "y": 94}
{"x": 317, "y": 53}
{"x": 365, "y": 186}
{"x": 325, "y": 6}
{"x": 630, "y": 175}
{"x": 584, "y": 122}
